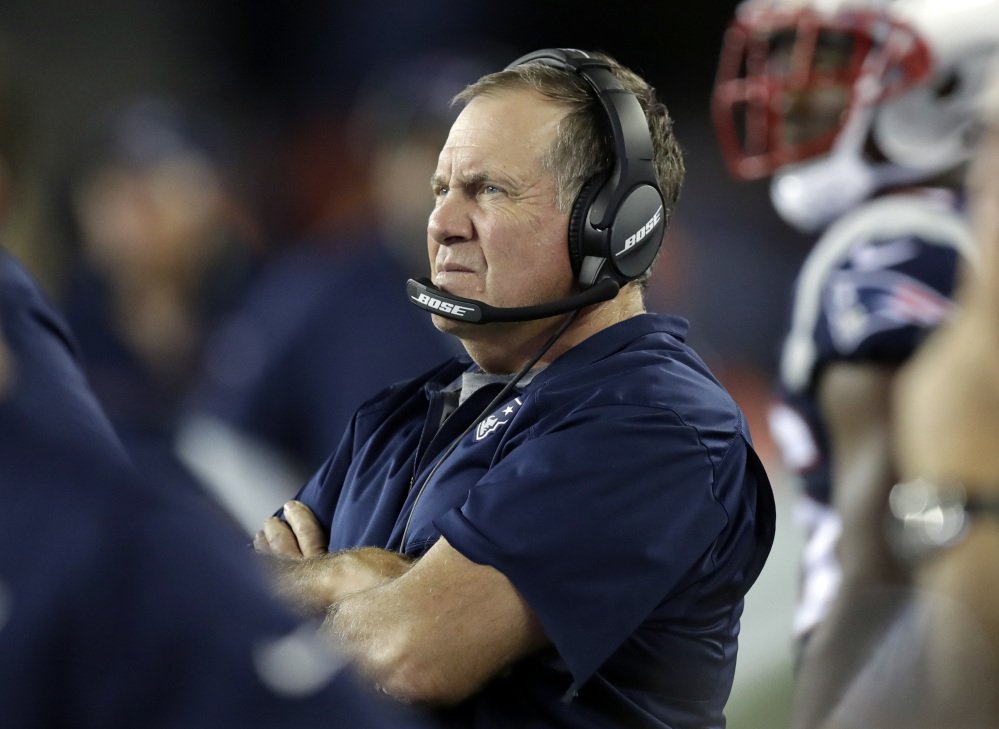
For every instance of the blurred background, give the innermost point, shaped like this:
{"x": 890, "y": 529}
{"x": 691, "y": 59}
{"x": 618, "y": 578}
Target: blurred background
{"x": 177, "y": 157}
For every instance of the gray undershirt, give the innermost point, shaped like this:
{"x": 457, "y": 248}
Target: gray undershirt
{"x": 473, "y": 380}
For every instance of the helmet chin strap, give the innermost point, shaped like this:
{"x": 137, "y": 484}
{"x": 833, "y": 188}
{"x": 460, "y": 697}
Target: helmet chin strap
{"x": 810, "y": 195}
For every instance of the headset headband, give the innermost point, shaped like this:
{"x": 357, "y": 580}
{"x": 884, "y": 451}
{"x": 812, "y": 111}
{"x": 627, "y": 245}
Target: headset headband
{"x": 630, "y": 130}
{"x": 618, "y": 219}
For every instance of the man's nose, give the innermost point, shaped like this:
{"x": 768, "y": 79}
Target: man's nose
{"x": 451, "y": 220}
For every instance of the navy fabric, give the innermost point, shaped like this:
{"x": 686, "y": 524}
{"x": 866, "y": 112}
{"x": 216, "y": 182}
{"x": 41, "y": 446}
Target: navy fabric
{"x": 123, "y": 604}
{"x": 126, "y": 608}
{"x": 881, "y": 314}
{"x": 48, "y": 362}
{"x": 618, "y": 491}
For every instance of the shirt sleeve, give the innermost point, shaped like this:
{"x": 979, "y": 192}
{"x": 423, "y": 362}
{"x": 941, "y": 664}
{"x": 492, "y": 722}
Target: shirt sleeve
{"x": 599, "y": 522}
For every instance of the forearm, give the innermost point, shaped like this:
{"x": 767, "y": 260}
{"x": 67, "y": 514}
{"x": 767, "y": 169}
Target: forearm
{"x": 963, "y": 644}
{"x": 402, "y": 652}
{"x": 433, "y": 630}
{"x": 439, "y": 632}
{"x": 840, "y": 647}
{"x": 313, "y": 584}
{"x": 937, "y": 664}
{"x": 855, "y": 400}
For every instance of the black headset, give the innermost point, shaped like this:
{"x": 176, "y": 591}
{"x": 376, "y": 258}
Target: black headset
{"x": 617, "y": 221}
{"x": 618, "y": 218}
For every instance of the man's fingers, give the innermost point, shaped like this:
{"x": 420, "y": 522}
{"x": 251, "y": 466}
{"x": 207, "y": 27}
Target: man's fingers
{"x": 310, "y": 537}
{"x": 280, "y": 538}
{"x": 260, "y": 543}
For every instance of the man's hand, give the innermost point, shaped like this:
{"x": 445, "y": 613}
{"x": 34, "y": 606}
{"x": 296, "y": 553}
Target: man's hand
{"x": 306, "y": 575}
{"x": 947, "y": 404}
{"x": 947, "y": 418}
{"x": 298, "y": 535}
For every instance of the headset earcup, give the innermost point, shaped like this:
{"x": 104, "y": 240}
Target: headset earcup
{"x": 636, "y": 233}
{"x": 577, "y": 221}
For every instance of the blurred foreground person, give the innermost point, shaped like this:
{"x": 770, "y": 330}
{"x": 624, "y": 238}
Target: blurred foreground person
{"x": 123, "y": 605}
{"x": 38, "y": 341}
{"x": 937, "y": 664}
{"x": 865, "y": 115}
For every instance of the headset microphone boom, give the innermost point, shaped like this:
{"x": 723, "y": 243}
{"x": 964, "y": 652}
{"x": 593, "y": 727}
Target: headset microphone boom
{"x": 427, "y": 296}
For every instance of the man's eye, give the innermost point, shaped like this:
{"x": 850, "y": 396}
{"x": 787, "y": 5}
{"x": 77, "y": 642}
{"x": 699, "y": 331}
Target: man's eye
{"x": 440, "y": 191}
{"x": 490, "y": 189}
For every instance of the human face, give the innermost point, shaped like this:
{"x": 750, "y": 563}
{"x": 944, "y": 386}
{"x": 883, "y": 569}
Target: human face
{"x": 814, "y": 104}
{"x": 495, "y": 233}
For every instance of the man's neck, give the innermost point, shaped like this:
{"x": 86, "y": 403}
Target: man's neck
{"x": 506, "y": 348}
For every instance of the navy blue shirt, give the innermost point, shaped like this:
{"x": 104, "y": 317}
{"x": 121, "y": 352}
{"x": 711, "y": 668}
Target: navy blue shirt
{"x": 619, "y": 492}
{"x": 123, "y": 604}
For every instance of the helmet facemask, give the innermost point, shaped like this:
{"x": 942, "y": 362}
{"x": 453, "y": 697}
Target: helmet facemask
{"x": 790, "y": 82}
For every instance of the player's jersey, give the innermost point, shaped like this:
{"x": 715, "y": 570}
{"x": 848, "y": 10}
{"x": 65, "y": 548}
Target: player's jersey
{"x": 876, "y": 283}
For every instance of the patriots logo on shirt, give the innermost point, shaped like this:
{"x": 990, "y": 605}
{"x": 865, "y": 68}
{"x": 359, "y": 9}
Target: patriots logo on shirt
{"x": 496, "y": 421}
{"x": 861, "y": 304}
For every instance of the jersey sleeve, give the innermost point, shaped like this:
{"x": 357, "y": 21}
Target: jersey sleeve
{"x": 874, "y": 302}
{"x": 881, "y": 310}
{"x": 601, "y": 522}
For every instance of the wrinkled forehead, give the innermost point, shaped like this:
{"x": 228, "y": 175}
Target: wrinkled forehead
{"x": 506, "y": 123}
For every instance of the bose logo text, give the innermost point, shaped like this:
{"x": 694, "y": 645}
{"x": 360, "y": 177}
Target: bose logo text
{"x": 446, "y": 307}
{"x": 639, "y": 235}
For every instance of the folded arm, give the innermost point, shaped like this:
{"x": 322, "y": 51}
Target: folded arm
{"x": 433, "y": 630}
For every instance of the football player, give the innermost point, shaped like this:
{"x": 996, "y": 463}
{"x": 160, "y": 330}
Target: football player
{"x": 863, "y": 114}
